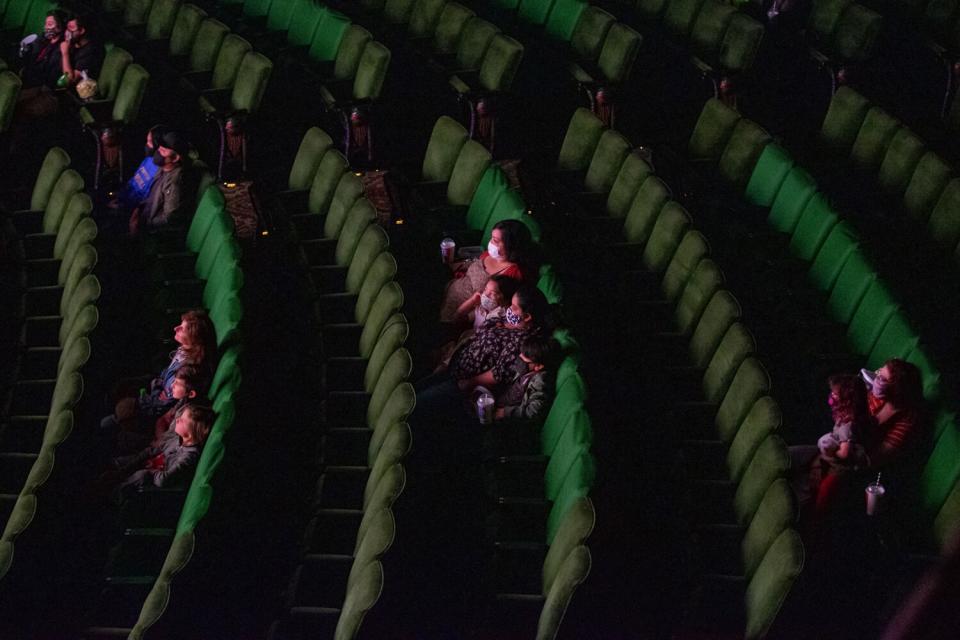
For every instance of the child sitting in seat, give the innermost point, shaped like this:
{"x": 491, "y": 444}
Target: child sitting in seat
{"x": 488, "y": 304}
{"x": 137, "y": 431}
{"x": 842, "y": 446}
{"x": 171, "y": 462}
{"x": 478, "y": 308}
{"x": 528, "y": 397}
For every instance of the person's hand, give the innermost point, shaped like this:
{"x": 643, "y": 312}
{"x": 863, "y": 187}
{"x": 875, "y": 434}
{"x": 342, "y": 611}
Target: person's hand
{"x": 64, "y": 46}
{"x": 474, "y": 300}
{"x": 126, "y": 409}
{"x": 134, "y": 223}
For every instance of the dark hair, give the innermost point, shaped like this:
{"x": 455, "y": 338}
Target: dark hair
{"x": 507, "y": 285}
{"x": 191, "y": 377}
{"x": 541, "y": 350}
{"x": 84, "y": 21}
{"x": 531, "y": 300}
{"x": 905, "y": 387}
{"x": 851, "y": 403}
{"x": 202, "y": 418}
{"x": 59, "y": 16}
{"x": 517, "y": 242}
{"x": 176, "y": 141}
{"x": 201, "y": 349}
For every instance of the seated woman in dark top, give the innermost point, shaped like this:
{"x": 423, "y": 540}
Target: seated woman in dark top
{"x": 41, "y": 58}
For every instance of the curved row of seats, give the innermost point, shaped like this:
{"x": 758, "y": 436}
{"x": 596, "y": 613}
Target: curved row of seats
{"x": 741, "y": 510}
{"x": 869, "y": 318}
{"x": 365, "y": 438}
{"x": 52, "y": 298}
{"x": 159, "y": 524}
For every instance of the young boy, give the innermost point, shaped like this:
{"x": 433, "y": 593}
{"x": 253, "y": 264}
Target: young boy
{"x": 135, "y": 432}
{"x": 528, "y": 397}
{"x": 172, "y": 460}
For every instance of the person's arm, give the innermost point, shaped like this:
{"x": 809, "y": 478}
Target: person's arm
{"x": 171, "y": 205}
{"x": 536, "y": 401}
{"x": 843, "y": 451}
{"x": 895, "y": 440}
{"x": 66, "y": 62}
{"x": 485, "y": 379}
{"x": 176, "y": 467}
{"x": 469, "y": 305}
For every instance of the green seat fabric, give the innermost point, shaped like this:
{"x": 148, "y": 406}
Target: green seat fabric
{"x": 313, "y": 146}
{"x": 710, "y": 25}
{"x": 896, "y": 341}
{"x": 563, "y": 18}
{"x": 590, "y": 32}
{"x": 424, "y": 18}
{"x": 771, "y": 583}
{"x": 815, "y": 224}
{"x": 231, "y": 55}
{"x": 9, "y": 91}
{"x": 771, "y": 461}
{"x": 371, "y": 72}
{"x": 900, "y": 161}
{"x": 768, "y": 175}
{"x": 679, "y": 15}
{"x": 580, "y": 142}
{"x": 280, "y": 14}
{"x": 941, "y": 472}
{"x": 749, "y": 383}
{"x": 852, "y": 283}
{"x": 534, "y": 11}
{"x": 856, "y": 34}
{"x": 115, "y": 63}
{"x": 251, "y": 82}
{"x": 474, "y": 40}
{"x": 642, "y": 215}
{"x": 776, "y": 513}
{"x": 693, "y": 248}
{"x": 397, "y": 11}
{"x": 722, "y": 311}
{"x": 207, "y": 44}
{"x": 328, "y": 36}
{"x": 926, "y": 184}
{"x": 326, "y": 181}
{"x": 446, "y": 141}
{"x": 509, "y": 206}
{"x": 54, "y": 164}
{"x": 713, "y": 129}
{"x": 493, "y": 183}
{"x": 791, "y": 200}
{"x": 500, "y": 64}
{"x": 607, "y": 160}
{"x": 572, "y": 573}
{"x": 705, "y": 280}
{"x": 944, "y": 222}
{"x": 737, "y": 343}
{"x": 162, "y": 16}
{"x": 304, "y": 23}
{"x": 618, "y": 53}
{"x": 185, "y": 29}
{"x": 825, "y": 15}
{"x": 764, "y": 418}
{"x": 740, "y": 44}
{"x": 665, "y": 236}
{"x": 453, "y": 19}
{"x": 354, "y": 42}
{"x": 874, "y": 137}
{"x": 844, "y": 118}
{"x": 740, "y": 155}
{"x": 469, "y": 168}
{"x": 872, "y": 315}
{"x": 832, "y": 256}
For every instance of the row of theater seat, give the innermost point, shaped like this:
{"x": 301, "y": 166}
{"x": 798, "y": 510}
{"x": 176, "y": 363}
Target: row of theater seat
{"x": 724, "y": 420}
{"x": 867, "y": 315}
{"x": 340, "y": 574}
{"x": 52, "y": 296}
{"x": 159, "y": 524}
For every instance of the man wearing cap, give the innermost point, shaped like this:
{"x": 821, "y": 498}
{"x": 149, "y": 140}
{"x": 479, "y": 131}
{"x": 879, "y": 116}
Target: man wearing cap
{"x": 170, "y": 198}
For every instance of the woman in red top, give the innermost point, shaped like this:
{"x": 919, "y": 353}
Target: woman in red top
{"x": 510, "y": 252}
{"x": 895, "y": 400}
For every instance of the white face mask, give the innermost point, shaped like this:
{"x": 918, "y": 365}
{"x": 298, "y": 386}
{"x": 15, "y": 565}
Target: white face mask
{"x": 493, "y": 250}
{"x": 876, "y": 384}
{"x": 488, "y": 303}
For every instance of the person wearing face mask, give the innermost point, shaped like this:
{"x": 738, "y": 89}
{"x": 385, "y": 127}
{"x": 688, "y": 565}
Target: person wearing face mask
{"x": 527, "y": 400}
{"x": 41, "y": 58}
{"x": 80, "y": 51}
{"x": 137, "y": 189}
{"x": 170, "y": 199}
{"x": 895, "y": 399}
{"x": 491, "y": 303}
{"x": 510, "y": 253}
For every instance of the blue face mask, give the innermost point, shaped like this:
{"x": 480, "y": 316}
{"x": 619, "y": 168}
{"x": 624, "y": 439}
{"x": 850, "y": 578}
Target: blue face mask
{"x": 512, "y": 319}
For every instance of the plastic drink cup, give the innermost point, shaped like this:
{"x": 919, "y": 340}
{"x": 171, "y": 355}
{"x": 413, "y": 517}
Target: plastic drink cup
{"x": 485, "y": 408}
{"x": 874, "y": 494}
{"x": 447, "y": 249}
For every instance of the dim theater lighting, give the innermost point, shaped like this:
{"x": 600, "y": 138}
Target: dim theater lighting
{"x": 230, "y": 185}
{"x": 398, "y": 221}
{"x": 264, "y": 233}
